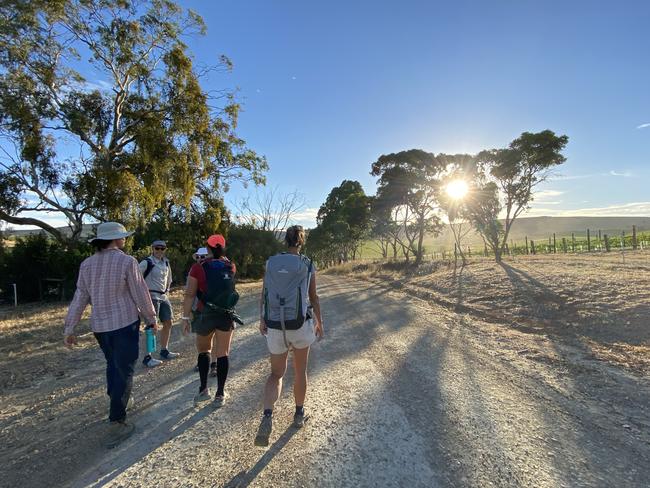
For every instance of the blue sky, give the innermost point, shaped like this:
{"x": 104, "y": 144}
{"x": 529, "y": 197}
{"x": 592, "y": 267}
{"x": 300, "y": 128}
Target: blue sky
{"x": 327, "y": 87}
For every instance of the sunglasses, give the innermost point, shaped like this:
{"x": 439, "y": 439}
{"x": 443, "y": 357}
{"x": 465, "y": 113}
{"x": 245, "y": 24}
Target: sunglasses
{"x": 157, "y": 248}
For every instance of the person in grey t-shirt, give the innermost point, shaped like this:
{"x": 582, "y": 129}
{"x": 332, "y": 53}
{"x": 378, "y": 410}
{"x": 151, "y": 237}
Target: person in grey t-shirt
{"x": 158, "y": 275}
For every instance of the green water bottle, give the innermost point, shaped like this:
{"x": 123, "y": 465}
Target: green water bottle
{"x": 151, "y": 338}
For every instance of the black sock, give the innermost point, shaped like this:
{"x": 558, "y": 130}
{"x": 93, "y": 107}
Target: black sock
{"x": 204, "y": 365}
{"x": 268, "y": 412}
{"x": 222, "y": 373}
{"x": 300, "y": 409}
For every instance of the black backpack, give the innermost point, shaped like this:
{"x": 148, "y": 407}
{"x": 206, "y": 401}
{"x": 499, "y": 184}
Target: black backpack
{"x": 220, "y": 295}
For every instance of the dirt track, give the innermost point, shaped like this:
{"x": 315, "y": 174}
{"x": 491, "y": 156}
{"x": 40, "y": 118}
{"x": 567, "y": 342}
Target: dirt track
{"x": 403, "y": 393}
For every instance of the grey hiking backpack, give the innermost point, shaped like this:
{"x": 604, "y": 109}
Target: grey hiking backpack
{"x": 286, "y": 291}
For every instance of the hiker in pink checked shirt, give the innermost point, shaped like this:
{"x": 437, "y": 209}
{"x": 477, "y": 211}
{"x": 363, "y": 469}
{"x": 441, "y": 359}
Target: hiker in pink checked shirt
{"x": 111, "y": 282}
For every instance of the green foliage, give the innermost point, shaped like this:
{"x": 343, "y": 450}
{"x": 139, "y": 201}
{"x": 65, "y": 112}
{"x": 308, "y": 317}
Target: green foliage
{"x": 408, "y": 185}
{"x": 37, "y": 257}
{"x": 343, "y": 222}
{"x": 249, "y": 248}
{"x": 512, "y": 172}
{"x": 149, "y": 139}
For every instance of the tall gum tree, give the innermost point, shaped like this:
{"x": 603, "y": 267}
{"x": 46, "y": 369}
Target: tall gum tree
{"x": 409, "y": 181}
{"x": 506, "y": 182}
{"x": 102, "y": 114}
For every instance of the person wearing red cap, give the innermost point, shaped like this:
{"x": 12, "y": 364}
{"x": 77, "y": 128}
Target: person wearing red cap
{"x": 212, "y": 283}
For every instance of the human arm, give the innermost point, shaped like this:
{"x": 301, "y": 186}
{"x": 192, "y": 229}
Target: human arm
{"x": 140, "y": 293}
{"x": 263, "y": 327}
{"x": 188, "y": 300}
{"x": 315, "y": 303}
{"x": 168, "y": 284}
{"x": 77, "y": 306}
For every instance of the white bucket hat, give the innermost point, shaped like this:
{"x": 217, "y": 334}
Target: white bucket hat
{"x": 111, "y": 230}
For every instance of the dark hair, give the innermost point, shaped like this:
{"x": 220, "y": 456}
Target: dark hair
{"x": 217, "y": 252}
{"x": 100, "y": 244}
{"x": 295, "y": 236}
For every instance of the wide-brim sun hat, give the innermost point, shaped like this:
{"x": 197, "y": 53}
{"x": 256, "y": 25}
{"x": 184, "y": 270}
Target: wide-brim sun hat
{"x": 216, "y": 240}
{"x": 109, "y": 231}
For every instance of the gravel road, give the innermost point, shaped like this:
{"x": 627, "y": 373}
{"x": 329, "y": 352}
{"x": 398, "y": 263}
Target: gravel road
{"x": 402, "y": 393}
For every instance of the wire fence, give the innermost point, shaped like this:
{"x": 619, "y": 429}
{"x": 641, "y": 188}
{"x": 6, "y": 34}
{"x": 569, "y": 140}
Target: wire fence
{"x": 589, "y": 241}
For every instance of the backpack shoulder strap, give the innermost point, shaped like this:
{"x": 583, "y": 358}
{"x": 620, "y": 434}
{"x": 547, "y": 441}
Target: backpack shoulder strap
{"x": 149, "y": 267}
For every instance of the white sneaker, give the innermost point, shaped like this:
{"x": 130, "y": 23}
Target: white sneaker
{"x": 152, "y": 362}
{"x": 169, "y": 355}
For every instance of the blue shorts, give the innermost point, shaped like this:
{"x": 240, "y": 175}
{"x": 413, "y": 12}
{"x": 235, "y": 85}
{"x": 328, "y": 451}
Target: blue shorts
{"x": 163, "y": 309}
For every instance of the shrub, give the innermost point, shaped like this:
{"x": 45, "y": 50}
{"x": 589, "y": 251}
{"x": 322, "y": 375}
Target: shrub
{"x": 35, "y": 259}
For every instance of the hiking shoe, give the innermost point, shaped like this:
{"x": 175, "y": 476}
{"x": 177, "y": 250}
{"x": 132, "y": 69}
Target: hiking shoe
{"x": 117, "y": 432}
{"x": 219, "y": 400}
{"x": 213, "y": 370}
{"x": 151, "y": 362}
{"x": 299, "y": 419}
{"x": 166, "y": 355}
{"x": 196, "y": 368}
{"x": 202, "y": 396}
{"x": 264, "y": 431}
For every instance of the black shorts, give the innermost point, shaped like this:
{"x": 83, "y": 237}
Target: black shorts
{"x": 206, "y": 323}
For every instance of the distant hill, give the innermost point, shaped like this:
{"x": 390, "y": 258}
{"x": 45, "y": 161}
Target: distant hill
{"x": 541, "y": 228}
{"x": 85, "y": 232}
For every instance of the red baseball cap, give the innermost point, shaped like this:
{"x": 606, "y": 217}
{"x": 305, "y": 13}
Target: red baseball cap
{"x": 216, "y": 240}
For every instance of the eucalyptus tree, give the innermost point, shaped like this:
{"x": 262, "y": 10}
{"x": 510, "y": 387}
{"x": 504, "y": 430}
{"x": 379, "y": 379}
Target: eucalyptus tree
{"x": 506, "y": 182}
{"x": 102, "y": 114}
{"x": 409, "y": 182}
{"x": 456, "y": 189}
{"x": 344, "y": 217}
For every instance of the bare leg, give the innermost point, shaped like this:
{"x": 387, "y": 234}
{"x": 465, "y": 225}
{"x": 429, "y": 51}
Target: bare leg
{"x": 300, "y": 357}
{"x": 273, "y": 385}
{"x": 165, "y": 333}
{"x": 214, "y": 348}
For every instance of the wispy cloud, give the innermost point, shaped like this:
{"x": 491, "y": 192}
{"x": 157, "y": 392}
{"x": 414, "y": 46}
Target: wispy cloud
{"x": 625, "y": 174}
{"x": 306, "y": 217}
{"x": 570, "y": 177}
{"x": 546, "y": 197}
{"x": 637, "y": 209}
{"x": 643, "y": 126}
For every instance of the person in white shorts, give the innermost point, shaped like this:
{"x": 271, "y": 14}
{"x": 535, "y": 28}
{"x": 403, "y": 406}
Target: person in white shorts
{"x": 299, "y": 341}
{"x": 296, "y": 339}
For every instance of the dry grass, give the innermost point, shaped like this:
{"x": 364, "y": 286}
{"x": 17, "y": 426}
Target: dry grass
{"x": 603, "y": 300}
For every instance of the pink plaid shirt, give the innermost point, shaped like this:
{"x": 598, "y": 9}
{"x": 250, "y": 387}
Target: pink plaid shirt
{"x": 112, "y": 283}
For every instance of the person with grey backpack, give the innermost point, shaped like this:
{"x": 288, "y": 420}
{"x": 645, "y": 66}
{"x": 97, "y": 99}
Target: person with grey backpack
{"x": 290, "y": 319}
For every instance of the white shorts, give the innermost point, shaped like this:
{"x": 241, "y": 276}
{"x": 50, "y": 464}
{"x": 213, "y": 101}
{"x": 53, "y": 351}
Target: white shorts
{"x": 298, "y": 339}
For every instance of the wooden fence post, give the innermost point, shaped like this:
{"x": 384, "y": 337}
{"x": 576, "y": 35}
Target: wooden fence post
{"x": 554, "y": 247}
{"x": 532, "y": 246}
{"x": 634, "y": 243}
{"x": 588, "y": 241}
{"x": 606, "y": 243}
{"x": 600, "y": 241}
{"x": 573, "y": 242}
{"x": 527, "y": 245}
{"x": 564, "y": 247}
